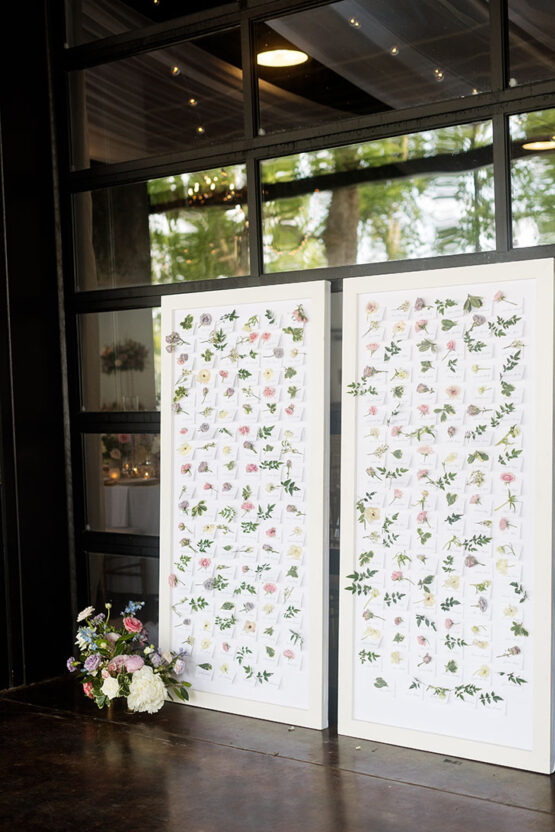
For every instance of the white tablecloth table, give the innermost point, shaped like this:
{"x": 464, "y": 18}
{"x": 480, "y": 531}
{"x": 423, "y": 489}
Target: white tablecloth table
{"x": 134, "y": 508}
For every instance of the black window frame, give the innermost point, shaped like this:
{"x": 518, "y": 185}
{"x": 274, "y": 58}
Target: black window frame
{"x": 496, "y": 105}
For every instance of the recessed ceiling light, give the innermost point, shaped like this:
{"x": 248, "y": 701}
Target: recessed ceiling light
{"x": 547, "y": 145}
{"x": 394, "y": 50}
{"x": 281, "y": 57}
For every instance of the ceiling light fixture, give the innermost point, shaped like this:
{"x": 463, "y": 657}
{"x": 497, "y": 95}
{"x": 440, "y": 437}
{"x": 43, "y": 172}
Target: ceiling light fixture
{"x": 281, "y": 57}
{"x": 546, "y": 145}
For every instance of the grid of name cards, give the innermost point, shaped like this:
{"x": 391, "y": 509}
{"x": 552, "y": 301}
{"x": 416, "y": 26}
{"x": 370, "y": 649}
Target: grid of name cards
{"x": 244, "y": 498}
{"x": 446, "y": 601}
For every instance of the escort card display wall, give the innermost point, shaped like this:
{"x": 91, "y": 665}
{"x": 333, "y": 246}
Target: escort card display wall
{"x": 446, "y": 519}
{"x": 244, "y": 519}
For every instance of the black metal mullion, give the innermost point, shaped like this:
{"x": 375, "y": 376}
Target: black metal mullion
{"x": 499, "y": 43}
{"x": 119, "y": 543}
{"x": 255, "y": 221}
{"x": 118, "y": 422}
{"x": 502, "y": 183}
{"x": 349, "y": 130}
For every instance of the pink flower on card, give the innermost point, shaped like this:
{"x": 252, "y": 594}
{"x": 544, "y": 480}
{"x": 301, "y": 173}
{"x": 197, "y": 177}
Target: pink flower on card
{"x": 247, "y": 506}
{"x": 397, "y": 576}
{"x": 373, "y": 347}
{"x": 172, "y": 580}
{"x": 371, "y": 307}
{"x": 474, "y": 500}
{"x": 372, "y": 410}
{"x": 204, "y": 563}
{"x": 288, "y": 654}
{"x": 450, "y": 346}
{"x": 448, "y": 623}
{"x": 244, "y": 430}
{"x": 269, "y": 588}
{"x": 269, "y": 392}
{"x": 508, "y": 477}
{"x": 419, "y": 325}
{"x": 290, "y": 409}
{"x": 503, "y": 524}
{"x": 265, "y": 336}
{"x": 396, "y": 430}
{"x": 251, "y": 468}
{"x": 422, "y": 473}
{"x": 422, "y": 640}
{"x": 223, "y": 374}
{"x": 422, "y": 516}
{"x": 253, "y": 336}
{"x": 271, "y": 532}
{"x": 423, "y": 409}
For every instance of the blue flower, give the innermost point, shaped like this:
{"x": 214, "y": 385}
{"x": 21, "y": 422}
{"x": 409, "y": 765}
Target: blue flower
{"x": 132, "y": 607}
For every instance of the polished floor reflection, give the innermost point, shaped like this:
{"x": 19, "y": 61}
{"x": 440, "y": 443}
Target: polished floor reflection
{"x": 69, "y": 766}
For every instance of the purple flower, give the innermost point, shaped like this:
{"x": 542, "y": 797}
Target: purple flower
{"x": 204, "y": 427}
{"x": 229, "y": 392}
{"x": 179, "y": 667}
{"x": 205, "y": 319}
{"x": 482, "y": 604}
{"x": 133, "y": 663}
{"x": 278, "y": 352}
{"x": 156, "y": 659}
{"x": 69, "y": 664}
{"x": 92, "y": 663}
{"x": 419, "y": 304}
{"x": 184, "y": 505}
{"x": 203, "y": 467}
{"x": 226, "y": 486}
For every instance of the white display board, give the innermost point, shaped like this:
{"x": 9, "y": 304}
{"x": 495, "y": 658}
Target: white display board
{"x": 244, "y": 517}
{"x": 446, "y": 518}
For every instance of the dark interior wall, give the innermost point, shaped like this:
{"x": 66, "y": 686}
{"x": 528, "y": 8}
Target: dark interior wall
{"x": 34, "y": 521}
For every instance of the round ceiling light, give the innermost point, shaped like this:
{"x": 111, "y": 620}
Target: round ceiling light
{"x": 547, "y": 145}
{"x": 281, "y": 57}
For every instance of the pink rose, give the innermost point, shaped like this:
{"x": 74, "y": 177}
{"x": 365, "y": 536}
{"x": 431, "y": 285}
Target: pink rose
{"x": 247, "y": 506}
{"x": 507, "y": 477}
{"x": 245, "y": 569}
{"x": 208, "y": 486}
{"x": 104, "y": 674}
{"x": 204, "y": 563}
{"x": 268, "y": 392}
{"x": 397, "y": 576}
{"x": 271, "y": 532}
{"x": 289, "y": 654}
{"x": 184, "y": 430}
{"x": 116, "y": 664}
{"x": 448, "y": 623}
{"x": 253, "y": 336}
{"x": 422, "y": 473}
{"x": 133, "y": 663}
{"x": 172, "y": 580}
{"x": 244, "y": 430}
{"x": 450, "y": 345}
{"x": 132, "y": 625}
{"x": 251, "y": 468}
{"x": 223, "y": 373}
{"x": 422, "y": 516}
{"x": 424, "y": 409}
{"x": 185, "y": 469}
{"x": 395, "y": 430}
{"x": 87, "y": 689}
{"x": 397, "y": 493}
{"x": 475, "y": 499}
{"x": 422, "y": 640}
{"x": 372, "y": 347}
{"x": 498, "y": 296}
{"x": 124, "y": 438}
{"x": 290, "y": 409}
{"x": 503, "y": 524}
{"x": 425, "y": 450}
{"x": 372, "y": 410}
{"x": 418, "y": 325}
{"x": 269, "y": 589}
{"x": 397, "y": 620}
{"x": 265, "y": 336}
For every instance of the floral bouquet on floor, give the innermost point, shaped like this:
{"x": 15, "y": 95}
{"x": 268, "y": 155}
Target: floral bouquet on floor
{"x": 120, "y": 662}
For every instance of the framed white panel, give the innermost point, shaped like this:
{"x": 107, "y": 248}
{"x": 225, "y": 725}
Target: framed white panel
{"x": 244, "y": 501}
{"x": 446, "y": 601}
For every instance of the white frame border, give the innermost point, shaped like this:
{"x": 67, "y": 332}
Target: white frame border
{"x": 316, "y": 715}
{"x": 542, "y": 756}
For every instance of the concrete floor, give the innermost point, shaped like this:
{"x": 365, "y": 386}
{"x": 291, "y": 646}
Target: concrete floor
{"x": 67, "y": 766}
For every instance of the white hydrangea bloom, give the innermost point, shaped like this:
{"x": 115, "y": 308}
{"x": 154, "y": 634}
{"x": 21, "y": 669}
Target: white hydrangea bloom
{"x": 147, "y": 691}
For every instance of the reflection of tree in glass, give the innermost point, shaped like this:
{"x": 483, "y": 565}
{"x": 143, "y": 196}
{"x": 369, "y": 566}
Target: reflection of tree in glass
{"x": 409, "y": 196}
{"x": 533, "y": 179}
{"x": 198, "y": 228}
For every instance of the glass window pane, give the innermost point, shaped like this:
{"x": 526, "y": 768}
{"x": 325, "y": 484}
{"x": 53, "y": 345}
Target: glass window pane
{"x": 531, "y": 42}
{"x": 368, "y": 56}
{"x": 191, "y": 226}
{"x": 120, "y": 360}
{"x": 418, "y": 195}
{"x": 122, "y": 482}
{"x": 117, "y": 579}
{"x": 88, "y": 20}
{"x": 181, "y": 97}
{"x": 533, "y": 178}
